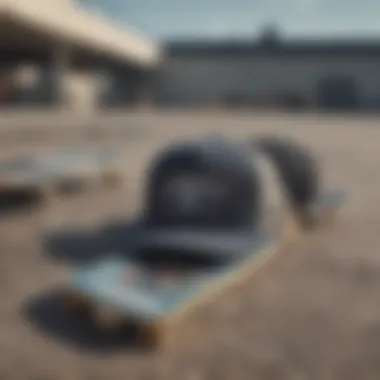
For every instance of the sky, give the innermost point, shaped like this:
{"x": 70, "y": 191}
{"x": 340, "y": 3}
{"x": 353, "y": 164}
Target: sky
{"x": 176, "y": 19}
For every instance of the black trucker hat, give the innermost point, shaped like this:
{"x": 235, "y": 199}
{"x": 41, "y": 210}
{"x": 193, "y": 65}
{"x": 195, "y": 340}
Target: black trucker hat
{"x": 203, "y": 197}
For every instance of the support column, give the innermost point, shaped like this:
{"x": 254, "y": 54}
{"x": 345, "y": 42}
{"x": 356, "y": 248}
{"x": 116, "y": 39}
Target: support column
{"x": 147, "y": 91}
{"x": 59, "y": 69}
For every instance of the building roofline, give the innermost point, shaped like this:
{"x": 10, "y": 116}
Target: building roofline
{"x": 74, "y": 26}
{"x": 312, "y": 47}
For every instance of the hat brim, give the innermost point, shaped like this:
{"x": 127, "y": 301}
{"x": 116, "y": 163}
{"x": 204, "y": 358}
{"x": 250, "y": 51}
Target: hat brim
{"x": 216, "y": 243}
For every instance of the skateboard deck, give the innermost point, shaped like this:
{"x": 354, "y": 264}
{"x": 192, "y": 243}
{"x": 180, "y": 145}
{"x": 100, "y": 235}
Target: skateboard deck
{"x": 144, "y": 289}
{"x": 153, "y": 289}
{"x": 39, "y": 172}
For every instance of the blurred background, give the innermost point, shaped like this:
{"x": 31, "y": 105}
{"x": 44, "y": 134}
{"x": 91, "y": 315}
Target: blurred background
{"x": 131, "y": 77}
{"x": 294, "y": 55}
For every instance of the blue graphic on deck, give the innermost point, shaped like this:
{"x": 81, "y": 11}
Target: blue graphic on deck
{"x": 129, "y": 287}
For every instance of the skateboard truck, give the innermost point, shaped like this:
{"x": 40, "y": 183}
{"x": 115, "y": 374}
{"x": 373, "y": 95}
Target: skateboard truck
{"x": 76, "y": 303}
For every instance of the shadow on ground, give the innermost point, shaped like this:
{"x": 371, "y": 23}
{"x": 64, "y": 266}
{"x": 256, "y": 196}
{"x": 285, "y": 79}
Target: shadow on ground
{"x": 18, "y": 202}
{"x": 48, "y": 315}
{"x": 82, "y": 247}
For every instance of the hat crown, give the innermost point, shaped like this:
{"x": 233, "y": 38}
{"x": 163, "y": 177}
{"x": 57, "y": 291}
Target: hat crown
{"x": 209, "y": 183}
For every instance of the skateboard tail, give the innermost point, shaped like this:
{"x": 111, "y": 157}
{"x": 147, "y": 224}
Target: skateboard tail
{"x": 107, "y": 284}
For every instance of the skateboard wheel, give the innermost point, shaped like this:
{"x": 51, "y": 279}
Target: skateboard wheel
{"x": 106, "y": 318}
{"x": 75, "y": 303}
{"x": 151, "y": 336}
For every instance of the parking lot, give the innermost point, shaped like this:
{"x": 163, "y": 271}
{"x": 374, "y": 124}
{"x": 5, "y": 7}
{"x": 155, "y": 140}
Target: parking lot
{"x": 313, "y": 313}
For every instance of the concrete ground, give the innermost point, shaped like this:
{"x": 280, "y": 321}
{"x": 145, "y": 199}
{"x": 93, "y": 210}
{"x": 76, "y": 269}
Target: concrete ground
{"x": 313, "y": 313}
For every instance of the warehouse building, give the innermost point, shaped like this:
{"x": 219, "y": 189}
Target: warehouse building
{"x": 57, "y": 53}
{"x": 274, "y": 73}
